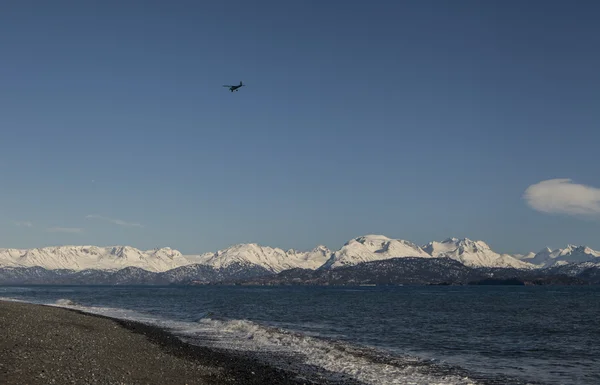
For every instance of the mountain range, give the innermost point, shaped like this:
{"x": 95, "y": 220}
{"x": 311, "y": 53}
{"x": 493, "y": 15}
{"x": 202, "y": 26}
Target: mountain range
{"x": 247, "y": 261}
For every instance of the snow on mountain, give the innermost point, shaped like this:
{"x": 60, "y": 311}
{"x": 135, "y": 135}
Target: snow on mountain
{"x": 198, "y": 258}
{"x": 8, "y": 257}
{"x": 163, "y": 259}
{"x": 373, "y": 248}
{"x": 473, "y": 253}
{"x": 570, "y": 254}
{"x": 312, "y": 259}
{"x": 93, "y": 257}
{"x": 525, "y": 257}
{"x": 273, "y": 259}
{"x": 252, "y": 256}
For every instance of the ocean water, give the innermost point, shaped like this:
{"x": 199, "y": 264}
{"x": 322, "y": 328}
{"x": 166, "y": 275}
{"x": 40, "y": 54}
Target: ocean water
{"x": 375, "y": 335}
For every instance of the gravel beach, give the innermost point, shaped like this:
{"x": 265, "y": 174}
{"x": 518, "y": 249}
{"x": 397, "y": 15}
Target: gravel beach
{"x": 49, "y": 345}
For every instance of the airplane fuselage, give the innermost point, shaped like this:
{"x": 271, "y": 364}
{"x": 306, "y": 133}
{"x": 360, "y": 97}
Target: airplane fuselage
{"x": 235, "y": 88}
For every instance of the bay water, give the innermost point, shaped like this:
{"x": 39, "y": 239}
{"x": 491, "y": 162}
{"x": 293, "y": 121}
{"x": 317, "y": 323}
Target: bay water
{"x": 374, "y": 335}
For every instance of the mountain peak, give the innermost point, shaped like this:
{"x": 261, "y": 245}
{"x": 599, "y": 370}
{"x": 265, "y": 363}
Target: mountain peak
{"x": 373, "y": 248}
{"x": 372, "y": 237}
{"x": 472, "y": 253}
{"x": 450, "y": 240}
{"x": 365, "y": 248}
{"x": 94, "y": 257}
{"x": 272, "y": 259}
{"x": 570, "y": 254}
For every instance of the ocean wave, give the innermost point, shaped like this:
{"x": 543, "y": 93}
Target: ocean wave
{"x": 333, "y": 359}
{"x": 15, "y": 289}
{"x": 312, "y": 356}
{"x": 66, "y": 302}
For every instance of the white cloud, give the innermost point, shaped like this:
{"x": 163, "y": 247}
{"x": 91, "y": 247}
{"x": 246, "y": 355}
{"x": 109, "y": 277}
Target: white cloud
{"x": 73, "y": 230}
{"x": 115, "y": 221}
{"x": 23, "y": 224}
{"x": 562, "y": 196}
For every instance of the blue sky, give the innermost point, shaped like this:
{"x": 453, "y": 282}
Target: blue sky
{"x": 419, "y": 120}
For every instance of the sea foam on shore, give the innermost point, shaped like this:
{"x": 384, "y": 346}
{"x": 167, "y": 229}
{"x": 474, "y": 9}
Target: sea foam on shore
{"x": 316, "y": 359}
{"x": 50, "y": 345}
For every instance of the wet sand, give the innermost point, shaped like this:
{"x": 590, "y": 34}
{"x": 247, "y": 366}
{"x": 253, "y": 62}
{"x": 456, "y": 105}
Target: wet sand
{"x": 49, "y": 345}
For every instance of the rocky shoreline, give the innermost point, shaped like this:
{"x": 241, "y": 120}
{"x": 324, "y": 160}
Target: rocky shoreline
{"x": 50, "y": 345}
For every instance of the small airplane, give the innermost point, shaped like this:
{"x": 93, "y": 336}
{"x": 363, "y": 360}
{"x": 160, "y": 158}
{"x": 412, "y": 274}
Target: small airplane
{"x": 235, "y": 88}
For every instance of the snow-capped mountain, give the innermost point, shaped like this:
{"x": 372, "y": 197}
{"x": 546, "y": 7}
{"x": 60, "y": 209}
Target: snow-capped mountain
{"x": 312, "y": 259}
{"x": 8, "y": 256}
{"x": 394, "y": 271}
{"x": 272, "y": 259}
{"x": 525, "y": 257}
{"x": 473, "y": 253}
{"x": 370, "y": 248}
{"x": 255, "y": 258}
{"x": 158, "y": 260}
{"x": 93, "y": 257}
{"x": 366, "y": 259}
{"x": 570, "y": 254}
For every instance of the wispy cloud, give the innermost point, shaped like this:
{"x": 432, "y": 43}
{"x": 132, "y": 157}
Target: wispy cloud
{"x": 23, "y": 224}
{"x": 73, "y": 230}
{"x": 118, "y": 222}
{"x": 562, "y": 196}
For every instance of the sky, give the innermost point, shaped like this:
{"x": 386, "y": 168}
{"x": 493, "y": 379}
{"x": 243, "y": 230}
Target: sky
{"x": 419, "y": 120}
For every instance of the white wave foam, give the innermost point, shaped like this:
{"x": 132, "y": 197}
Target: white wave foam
{"x": 118, "y": 313}
{"x": 14, "y": 289}
{"x": 66, "y": 302}
{"x": 363, "y": 364}
{"x": 8, "y": 299}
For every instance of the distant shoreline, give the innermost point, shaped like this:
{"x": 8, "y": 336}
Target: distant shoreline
{"x": 45, "y": 344}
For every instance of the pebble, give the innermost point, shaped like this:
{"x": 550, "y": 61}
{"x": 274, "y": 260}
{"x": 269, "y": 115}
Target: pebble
{"x": 50, "y": 345}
